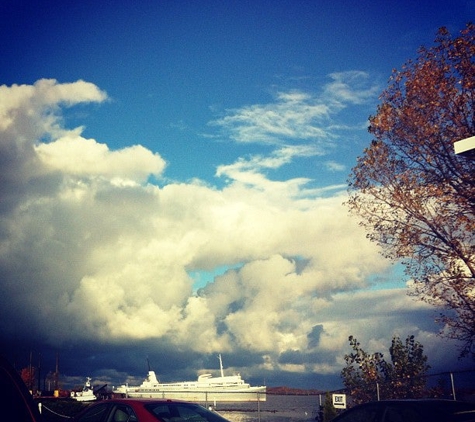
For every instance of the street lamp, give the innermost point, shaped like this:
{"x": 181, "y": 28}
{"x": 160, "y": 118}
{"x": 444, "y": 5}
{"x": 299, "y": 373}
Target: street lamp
{"x": 465, "y": 147}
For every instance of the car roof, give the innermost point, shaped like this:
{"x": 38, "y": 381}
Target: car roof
{"x": 148, "y": 400}
{"x": 425, "y": 400}
{"x": 428, "y": 401}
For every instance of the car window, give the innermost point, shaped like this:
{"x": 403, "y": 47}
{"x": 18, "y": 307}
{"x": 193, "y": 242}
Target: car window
{"x": 366, "y": 413}
{"x": 96, "y": 413}
{"x": 163, "y": 412}
{"x": 179, "y": 412}
{"x": 190, "y": 414}
{"x": 122, "y": 413}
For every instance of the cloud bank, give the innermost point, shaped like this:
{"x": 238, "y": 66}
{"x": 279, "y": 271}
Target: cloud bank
{"x": 91, "y": 250}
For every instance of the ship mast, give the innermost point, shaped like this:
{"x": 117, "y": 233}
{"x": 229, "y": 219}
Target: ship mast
{"x": 221, "y": 365}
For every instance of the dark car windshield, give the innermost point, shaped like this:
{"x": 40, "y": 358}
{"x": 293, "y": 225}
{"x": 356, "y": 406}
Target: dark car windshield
{"x": 14, "y": 396}
{"x": 177, "y": 412}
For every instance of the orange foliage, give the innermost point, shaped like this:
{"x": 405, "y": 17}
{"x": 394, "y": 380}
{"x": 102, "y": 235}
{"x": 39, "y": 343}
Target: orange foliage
{"x": 28, "y": 377}
{"x": 415, "y": 197}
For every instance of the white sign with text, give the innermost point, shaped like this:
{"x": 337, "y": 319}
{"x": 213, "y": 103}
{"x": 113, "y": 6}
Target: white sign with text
{"x": 339, "y": 401}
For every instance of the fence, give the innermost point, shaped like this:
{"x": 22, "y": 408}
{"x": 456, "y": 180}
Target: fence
{"x": 454, "y": 385}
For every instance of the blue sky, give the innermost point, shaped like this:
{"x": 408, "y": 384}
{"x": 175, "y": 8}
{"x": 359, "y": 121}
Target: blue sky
{"x": 173, "y": 180}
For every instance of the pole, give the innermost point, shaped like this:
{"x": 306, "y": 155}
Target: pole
{"x": 56, "y": 373}
{"x": 258, "y": 407}
{"x": 453, "y": 386}
{"x": 39, "y": 372}
{"x": 221, "y": 365}
{"x": 30, "y": 374}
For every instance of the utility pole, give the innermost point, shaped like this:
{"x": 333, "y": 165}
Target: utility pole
{"x": 39, "y": 372}
{"x": 56, "y": 373}
{"x": 30, "y": 373}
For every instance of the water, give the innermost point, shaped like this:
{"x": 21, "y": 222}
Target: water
{"x": 276, "y": 408}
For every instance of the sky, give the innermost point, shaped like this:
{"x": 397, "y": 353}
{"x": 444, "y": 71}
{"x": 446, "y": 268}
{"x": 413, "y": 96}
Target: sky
{"x": 173, "y": 179}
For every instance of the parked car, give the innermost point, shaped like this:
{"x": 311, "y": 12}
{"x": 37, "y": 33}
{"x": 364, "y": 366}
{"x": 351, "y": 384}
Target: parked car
{"x": 423, "y": 410}
{"x": 15, "y": 399}
{"x": 147, "y": 410}
{"x": 465, "y": 416}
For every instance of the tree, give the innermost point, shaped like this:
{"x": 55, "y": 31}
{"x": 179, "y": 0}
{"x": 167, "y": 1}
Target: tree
{"x": 369, "y": 376}
{"x": 28, "y": 376}
{"x": 413, "y": 195}
{"x": 363, "y": 373}
{"x": 405, "y": 377}
{"x": 329, "y": 411}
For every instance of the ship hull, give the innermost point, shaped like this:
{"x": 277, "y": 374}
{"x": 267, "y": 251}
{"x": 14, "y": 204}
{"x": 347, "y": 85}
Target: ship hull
{"x": 201, "y": 396}
{"x": 230, "y": 388}
{"x": 84, "y": 398}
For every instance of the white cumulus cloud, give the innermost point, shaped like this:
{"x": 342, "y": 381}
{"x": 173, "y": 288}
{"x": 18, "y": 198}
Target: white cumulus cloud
{"x": 92, "y": 250}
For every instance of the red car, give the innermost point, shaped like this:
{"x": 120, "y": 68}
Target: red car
{"x": 147, "y": 410}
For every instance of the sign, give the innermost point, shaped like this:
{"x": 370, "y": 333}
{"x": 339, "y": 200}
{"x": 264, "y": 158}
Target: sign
{"x": 339, "y": 401}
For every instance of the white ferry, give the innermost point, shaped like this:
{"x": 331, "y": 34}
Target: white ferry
{"x": 230, "y": 388}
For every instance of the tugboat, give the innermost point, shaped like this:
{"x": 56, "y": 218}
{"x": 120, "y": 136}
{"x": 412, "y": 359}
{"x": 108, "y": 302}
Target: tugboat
{"x": 86, "y": 394}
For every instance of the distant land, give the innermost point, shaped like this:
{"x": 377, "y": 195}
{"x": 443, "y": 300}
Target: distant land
{"x": 292, "y": 391}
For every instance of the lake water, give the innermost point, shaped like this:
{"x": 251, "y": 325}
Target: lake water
{"x": 276, "y": 408}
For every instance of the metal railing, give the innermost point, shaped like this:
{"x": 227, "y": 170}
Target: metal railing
{"x": 455, "y": 385}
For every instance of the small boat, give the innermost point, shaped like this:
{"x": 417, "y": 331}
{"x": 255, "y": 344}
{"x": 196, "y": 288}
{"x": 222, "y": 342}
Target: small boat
{"x": 86, "y": 394}
{"x": 229, "y": 388}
